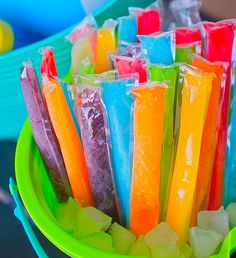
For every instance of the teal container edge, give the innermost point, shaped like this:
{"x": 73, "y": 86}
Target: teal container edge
{"x": 13, "y": 112}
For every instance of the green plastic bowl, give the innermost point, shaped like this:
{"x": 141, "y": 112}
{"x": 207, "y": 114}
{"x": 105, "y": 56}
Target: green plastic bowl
{"x": 39, "y": 199}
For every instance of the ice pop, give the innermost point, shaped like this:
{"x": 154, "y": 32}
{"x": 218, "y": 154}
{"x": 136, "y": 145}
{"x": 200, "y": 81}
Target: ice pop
{"x": 43, "y": 132}
{"x": 169, "y": 75}
{"x": 92, "y": 119}
{"x": 106, "y": 45}
{"x": 149, "y": 107}
{"x": 195, "y": 97}
{"x": 69, "y": 141}
{"x": 128, "y": 65}
{"x": 210, "y": 132}
{"x": 219, "y": 45}
{"x": 118, "y": 105}
{"x": 185, "y": 52}
{"x": 127, "y": 30}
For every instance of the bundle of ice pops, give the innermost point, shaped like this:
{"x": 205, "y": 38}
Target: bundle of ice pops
{"x": 142, "y": 133}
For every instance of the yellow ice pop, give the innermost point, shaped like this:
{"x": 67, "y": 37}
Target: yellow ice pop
{"x": 195, "y": 97}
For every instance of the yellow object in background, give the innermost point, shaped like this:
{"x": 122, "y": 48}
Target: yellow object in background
{"x": 6, "y": 37}
{"x": 196, "y": 92}
{"x": 106, "y": 45}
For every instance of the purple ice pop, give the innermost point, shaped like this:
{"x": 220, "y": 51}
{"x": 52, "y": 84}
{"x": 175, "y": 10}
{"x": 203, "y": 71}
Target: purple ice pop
{"x": 43, "y": 132}
{"x": 91, "y": 115}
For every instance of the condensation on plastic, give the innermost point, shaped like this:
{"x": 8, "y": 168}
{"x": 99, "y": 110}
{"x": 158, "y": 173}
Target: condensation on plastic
{"x": 128, "y": 65}
{"x": 185, "y": 12}
{"x": 230, "y": 168}
{"x": 194, "y": 102}
{"x": 210, "y": 132}
{"x": 169, "y": 75}
{"x": 148, "y": 122}
{"x": 159, "y": 48}
{"x": 106, "y": 45}
{"x": 43, "y": 131}
{"x": 127, "y": 30}
{"x": 185, "y": 52}
{"x": 219, "y": 46}
{"x": 118, "y": 105}
{"x": 92, "y": 118}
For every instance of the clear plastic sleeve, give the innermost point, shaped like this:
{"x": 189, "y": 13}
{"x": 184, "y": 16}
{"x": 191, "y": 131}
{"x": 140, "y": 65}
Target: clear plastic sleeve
{"x": 185, "y": 12}
{"x": 118, "y": 105}
{"x": 169, "y": 75}
{"x": 210, "y": 132}
{"x": 128, "y": 65}
{"x": 44, "y": 133}
{"x": 68, "y": 140}
{"x": 87, "y": 26}
{"x": 185, "y": 52}
{"x": 106, "y": 45}
{"x": 194, "y": 103}
{"x": 127, "y": 30}
{"x": 219, "y": 46}
{"x": 129, "y": 50}
{"x": 91, "y": 115}
{"x": 148, "y": 123}
{"x": 160, "y": 48}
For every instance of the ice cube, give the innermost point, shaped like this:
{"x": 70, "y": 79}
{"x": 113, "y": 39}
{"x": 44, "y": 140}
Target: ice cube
{"x": 214, "y": 220}
{"x": 65, "y": 213}
{"x": 165, "y": 250}
{"x": 90, "y": 220}
{"x": 161, "y": 234}
{"x": 231, "y": 210}
{"x": 204, "y": 242}
{"x": 122, "y": 238}
{"x": 140, "y": 248}
{"x": 99, "y": 240}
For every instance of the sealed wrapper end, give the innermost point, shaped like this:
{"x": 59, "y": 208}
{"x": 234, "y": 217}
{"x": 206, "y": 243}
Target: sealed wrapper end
{"x": 127, "y": 30}
{"x": 187, "y": 35}
{"x": 106, "y": 45}
{"x": 159, "y": 48}
{"x": 69, "y": 141}
{"x": 43, "y": 132}
{"x": 83, "y": 38}
{"x": 83, "y": 53}
{"x": 186, "y": 12}
{"x": 219, "y": 47}
{"x": 210, "y": 133}
{"x": 195, "y": 98}
{"x": 148, "y": 122}
{"x": 118, "y": 105}
{"x": 128, "y": 65}
{"x": 48, "y": 64}
{"x": 91, "y": 115}
{"x": 85, "y": 27}
{"x": 185, "y": 52}
{"x": 169, "y": 75}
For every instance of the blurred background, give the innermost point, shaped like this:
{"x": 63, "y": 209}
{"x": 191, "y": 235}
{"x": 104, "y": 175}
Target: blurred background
{"x": 13, "y": 241}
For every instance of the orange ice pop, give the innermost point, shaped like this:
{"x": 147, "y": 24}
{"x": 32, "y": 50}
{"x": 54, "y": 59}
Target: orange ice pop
{"x": 209, "y": 137}
{"x": 148, "y": 130}
{"x": 69, "y": 141}
{"x": 195, "y": 97}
